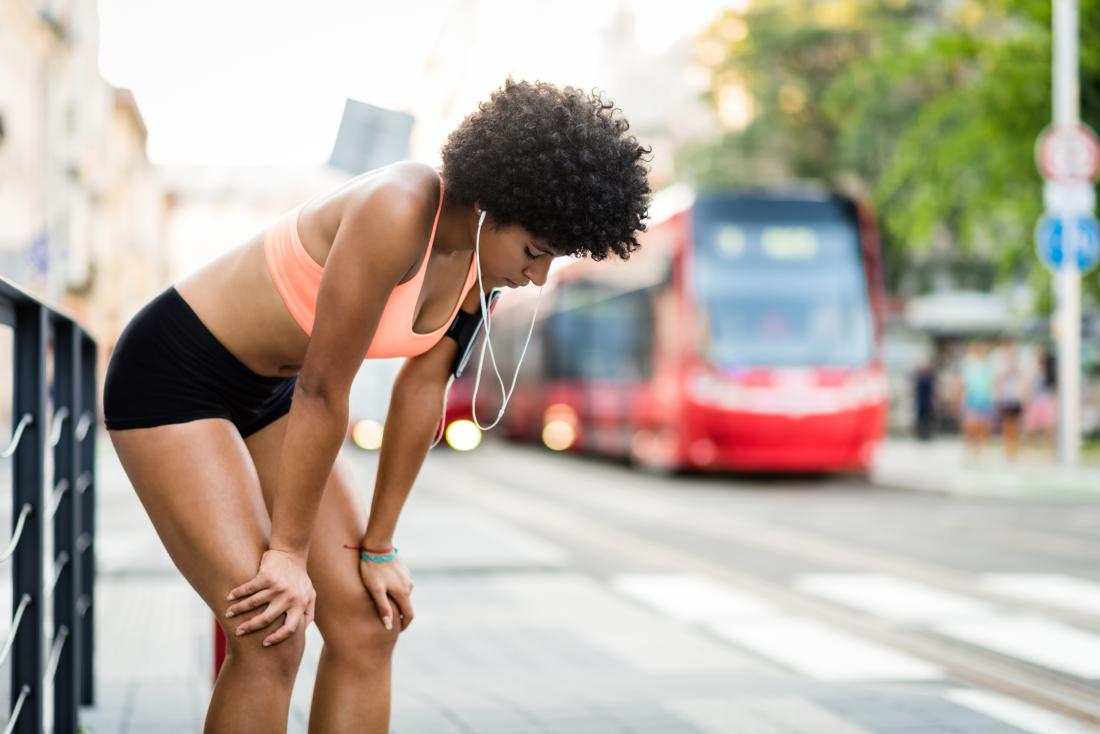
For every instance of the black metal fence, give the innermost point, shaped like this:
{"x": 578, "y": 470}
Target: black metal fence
{"x": 46, "y": 651}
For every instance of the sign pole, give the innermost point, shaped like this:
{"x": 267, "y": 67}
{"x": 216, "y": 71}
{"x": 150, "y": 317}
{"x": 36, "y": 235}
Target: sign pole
{"x": 1068, "y": 280}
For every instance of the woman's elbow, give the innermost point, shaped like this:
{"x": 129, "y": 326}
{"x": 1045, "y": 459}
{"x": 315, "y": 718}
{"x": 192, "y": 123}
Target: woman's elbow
{"x": 332, "y": 404}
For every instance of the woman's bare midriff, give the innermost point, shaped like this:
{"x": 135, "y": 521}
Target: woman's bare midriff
{"x": 235, "y": 297}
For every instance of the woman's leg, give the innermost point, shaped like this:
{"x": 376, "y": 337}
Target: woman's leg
{"x": 352, "y": 692}
{"x": 985, "y": 434}
{"x": 201, "y": 491}
{"x": 970, "y": 432}
{"x": 1010, "y": 428}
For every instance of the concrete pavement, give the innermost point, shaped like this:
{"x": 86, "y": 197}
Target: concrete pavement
{"x": 511, "y": 637}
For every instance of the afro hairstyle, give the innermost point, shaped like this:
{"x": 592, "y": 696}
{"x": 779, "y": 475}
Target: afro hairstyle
{"x": 557, "y": 162}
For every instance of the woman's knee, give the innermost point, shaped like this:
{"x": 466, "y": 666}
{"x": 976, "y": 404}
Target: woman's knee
{"x": 280, "y": 660}
{"x": 356, "y": 636}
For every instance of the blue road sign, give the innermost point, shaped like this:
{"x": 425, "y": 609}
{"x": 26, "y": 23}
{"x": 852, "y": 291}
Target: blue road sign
{"x": 1050, "y": 240}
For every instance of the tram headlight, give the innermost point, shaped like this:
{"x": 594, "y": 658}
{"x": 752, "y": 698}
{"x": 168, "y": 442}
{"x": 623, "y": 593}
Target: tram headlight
{"x": 559, "y": 426}
{"x": 367, "y": 434}
{"x": 463, "y": 435}
{"x": 558, "y": 435}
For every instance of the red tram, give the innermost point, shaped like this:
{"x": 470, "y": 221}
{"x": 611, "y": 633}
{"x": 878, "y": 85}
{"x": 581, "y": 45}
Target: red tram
{"x": 745, "y": 334}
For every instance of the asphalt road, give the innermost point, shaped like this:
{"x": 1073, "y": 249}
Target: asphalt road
{"x": 828, "y": 578}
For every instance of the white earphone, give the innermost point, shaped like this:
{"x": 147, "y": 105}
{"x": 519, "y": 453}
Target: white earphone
{"x": 485, "y": 319}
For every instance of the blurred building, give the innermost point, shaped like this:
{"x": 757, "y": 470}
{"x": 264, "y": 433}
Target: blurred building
{"x": 28, "y": 42}
{"x": 80, "y": 205}
{"x": 212, "y": 209}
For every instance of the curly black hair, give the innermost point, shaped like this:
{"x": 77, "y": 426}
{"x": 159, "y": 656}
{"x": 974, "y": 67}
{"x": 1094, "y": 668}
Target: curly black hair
{"x": 557, "y": 162}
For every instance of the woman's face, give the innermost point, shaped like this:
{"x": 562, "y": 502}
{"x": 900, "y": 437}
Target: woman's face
{"x": 511, "y": 257}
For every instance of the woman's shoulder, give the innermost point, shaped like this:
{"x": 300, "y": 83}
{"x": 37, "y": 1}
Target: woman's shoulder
{"x": 405, "y": 185}
{"x": 393, "y": 207}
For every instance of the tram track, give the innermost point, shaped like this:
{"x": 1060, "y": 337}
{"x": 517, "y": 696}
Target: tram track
{"x": 980, "y": 667}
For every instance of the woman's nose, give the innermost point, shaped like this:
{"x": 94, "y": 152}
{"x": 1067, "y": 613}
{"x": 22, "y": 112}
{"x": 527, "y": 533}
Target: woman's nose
{"x": 537, "y": 273}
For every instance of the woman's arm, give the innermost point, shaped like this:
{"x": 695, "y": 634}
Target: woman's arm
{"x": 416, "y": 404}
{"x": 376, "y": 244}
{"x": 379, "y": 239}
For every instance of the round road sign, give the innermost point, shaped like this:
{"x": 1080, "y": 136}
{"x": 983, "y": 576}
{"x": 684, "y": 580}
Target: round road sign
{"x": 1052, "y": 233}
{"x": 1067, "y": 153}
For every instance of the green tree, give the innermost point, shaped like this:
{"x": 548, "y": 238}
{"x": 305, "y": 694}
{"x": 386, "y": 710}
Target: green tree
{"x": 930, "y": 112}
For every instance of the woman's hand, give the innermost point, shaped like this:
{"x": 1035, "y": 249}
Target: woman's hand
{"x": 283, "y": 585}
{"x": 393, "y": 578}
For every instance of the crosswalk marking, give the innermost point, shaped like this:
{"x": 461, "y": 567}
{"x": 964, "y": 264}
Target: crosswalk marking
{"x": 822, "y": 652}
{"x": 891, "y": 597}
{"x": 752, "y": 623}
{"x": 1017, "y": 713}
{"x": 1053, "y": 589}
{"x": 801, "y": 644}
{"x": 688, "y": 597}
{"x": 1051, "y": 644}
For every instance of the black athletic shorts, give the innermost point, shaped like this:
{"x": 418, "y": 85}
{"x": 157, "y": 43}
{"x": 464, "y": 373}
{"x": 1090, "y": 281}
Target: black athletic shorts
{"x": 168, "y": 368}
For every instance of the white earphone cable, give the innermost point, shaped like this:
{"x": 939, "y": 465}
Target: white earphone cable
{"x": 506, "y": 395}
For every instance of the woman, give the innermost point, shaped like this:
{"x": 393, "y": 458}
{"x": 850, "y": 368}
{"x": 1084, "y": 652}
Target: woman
{"x": 1040, "y": 416}
{"x": 977, "y": 397}
{"x": 226, "y": 397}
{"x": 1011, "y": 391}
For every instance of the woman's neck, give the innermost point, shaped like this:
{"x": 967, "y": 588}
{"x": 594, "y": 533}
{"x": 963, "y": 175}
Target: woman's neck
{"x": 457, "y": 227}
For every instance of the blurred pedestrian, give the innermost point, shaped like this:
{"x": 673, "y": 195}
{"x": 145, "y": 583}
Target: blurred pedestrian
{"x": 1010, "y": 390}
{"x": 1041, "y": 411}
{"x": 226, "y": 398}
{"x": 948, "y": 389}
{"x": 924, "y": 399}
{"x": 977, "y": 396}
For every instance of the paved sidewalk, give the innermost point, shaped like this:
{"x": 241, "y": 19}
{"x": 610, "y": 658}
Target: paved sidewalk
{"x": 154, "y": 654}
{"x": 943, "y": 465}
{"x": 511, "y": 638}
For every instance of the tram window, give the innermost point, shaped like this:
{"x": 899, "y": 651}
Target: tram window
{"x": 619, "y": 349}
{"x": 565, "y": 341}
{"x": 604, "y": 339}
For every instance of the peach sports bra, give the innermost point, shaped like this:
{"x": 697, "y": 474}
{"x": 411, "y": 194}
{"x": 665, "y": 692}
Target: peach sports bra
{"x": 297, "y": 278}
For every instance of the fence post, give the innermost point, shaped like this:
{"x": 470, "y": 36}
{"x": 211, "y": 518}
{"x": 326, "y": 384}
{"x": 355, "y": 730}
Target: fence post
{"x": 86, "y": 491}
{"x": 28, "y": 490}
{"x": 64, "y": 503}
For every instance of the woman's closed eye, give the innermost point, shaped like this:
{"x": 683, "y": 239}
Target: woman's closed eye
{"x": 530, "y": 254}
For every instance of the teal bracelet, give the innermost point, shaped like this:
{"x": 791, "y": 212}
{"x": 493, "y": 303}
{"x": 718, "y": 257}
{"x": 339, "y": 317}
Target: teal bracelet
{"x": 376, "y": 558}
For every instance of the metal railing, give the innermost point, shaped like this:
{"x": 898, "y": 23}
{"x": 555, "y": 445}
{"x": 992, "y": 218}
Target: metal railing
{"x": 62, "y": 603}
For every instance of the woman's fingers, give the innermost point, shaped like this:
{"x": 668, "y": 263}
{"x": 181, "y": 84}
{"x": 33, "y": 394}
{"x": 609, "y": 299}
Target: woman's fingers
{"x": 269, "y": 615}
{"x": 404, "y": 604}
{"x": 258, "y": 583}
{"x": 284, "y": 586}
{"x": 311, "y": 611}
{"x": 378, "y": 594}
{"x": 293, "y": 618}
{"x": 255, "y": 600}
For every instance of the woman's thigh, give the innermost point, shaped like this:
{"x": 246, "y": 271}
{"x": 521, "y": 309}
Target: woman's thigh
{"x": 344, "y": 610}
{"x": 201, "y": 491}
